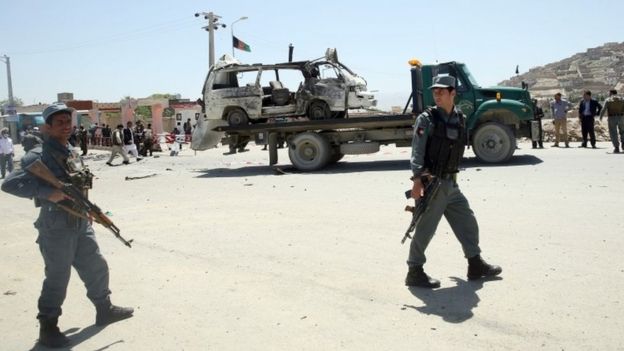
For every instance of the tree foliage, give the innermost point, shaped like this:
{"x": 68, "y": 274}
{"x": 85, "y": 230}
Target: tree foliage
{"x": 17, "y": 101}
{"x": 168, "y": 112}
{"x": 143, "y": 112}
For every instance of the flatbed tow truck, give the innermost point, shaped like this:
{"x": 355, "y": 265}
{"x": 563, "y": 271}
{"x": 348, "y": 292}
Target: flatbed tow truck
{"x": 495, "y": 117}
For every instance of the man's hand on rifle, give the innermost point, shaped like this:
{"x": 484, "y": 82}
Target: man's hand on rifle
{"x": 418, "y": 189}
{"x": 58, "y": 196}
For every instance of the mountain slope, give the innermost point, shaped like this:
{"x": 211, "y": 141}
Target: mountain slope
{"x": 598, "y": 69}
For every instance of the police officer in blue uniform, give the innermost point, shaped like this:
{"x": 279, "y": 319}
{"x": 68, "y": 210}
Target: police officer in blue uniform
{"x": 64, "y": 240}
{"x": 437, "y": 148}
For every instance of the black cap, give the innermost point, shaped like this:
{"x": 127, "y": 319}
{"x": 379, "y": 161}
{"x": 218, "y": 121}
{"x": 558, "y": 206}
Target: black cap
{"x": 443, "y": 82}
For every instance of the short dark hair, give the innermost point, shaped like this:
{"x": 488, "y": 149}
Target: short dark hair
{"x": 587, "y": 92}
{"x": 613, "y": 92}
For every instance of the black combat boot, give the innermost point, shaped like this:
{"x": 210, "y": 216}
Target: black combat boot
{"x": 416, "y": 276}
{"x": 478, "y": 268}
{"x": 108, "y": 313}
{"x": 50, "y": 335}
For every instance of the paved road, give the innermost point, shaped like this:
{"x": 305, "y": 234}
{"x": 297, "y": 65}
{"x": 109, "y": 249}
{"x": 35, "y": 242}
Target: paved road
{"x": 230, "y": 256}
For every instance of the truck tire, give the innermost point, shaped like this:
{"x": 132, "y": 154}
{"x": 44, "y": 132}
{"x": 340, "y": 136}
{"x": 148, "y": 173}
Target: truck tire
{"x": 336, "y": 155}
{"x": 318, "y": 110}
{"x": 237, "y": 117}
{"x": 493, "y": 143}
{"x": 309, "y": 151}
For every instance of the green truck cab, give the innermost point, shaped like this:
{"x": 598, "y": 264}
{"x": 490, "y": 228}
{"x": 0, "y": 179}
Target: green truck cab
{"x": 495, "y": 116}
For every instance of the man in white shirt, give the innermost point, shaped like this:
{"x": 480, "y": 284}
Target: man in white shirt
{"x": 6, "y": 152}
{"x": 560, "y": 108}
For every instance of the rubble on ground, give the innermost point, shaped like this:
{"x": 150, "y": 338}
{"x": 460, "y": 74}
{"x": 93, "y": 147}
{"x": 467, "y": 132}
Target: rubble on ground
{"x": 574, "y": 130}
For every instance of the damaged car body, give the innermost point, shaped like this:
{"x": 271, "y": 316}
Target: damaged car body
{"x": 324, "y": 88}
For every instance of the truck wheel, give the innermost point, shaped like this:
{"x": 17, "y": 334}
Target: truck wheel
{"x": 237, "y": 117}
{"x": 336, "y": 155}
{"x": 493, "y": 143}
{"x": 309, "y": 151}
{"x": 318, "y": 110}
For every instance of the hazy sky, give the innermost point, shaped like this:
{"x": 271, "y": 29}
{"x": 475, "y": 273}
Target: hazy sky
{"x": 105, "y": 50}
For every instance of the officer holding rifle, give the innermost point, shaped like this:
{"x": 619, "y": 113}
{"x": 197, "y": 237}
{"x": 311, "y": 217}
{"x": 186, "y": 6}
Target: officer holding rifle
{"x": 437, "y": 148}
{"x": 66, "y": 238}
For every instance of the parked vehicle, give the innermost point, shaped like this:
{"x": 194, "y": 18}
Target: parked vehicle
{"x": 319, "y": 89}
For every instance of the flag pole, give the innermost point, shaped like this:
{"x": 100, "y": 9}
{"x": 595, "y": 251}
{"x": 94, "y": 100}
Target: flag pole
{"x": 232, "y": 32}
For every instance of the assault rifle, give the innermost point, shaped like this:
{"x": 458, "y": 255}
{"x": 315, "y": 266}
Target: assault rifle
{"x": 431, "y": 184}
{"x": 42, "y": 172}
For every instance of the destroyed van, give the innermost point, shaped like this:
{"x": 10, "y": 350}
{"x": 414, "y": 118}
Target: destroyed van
{"x": 324, "y": 88}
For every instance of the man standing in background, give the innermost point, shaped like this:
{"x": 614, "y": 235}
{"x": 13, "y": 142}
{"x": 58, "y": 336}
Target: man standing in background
{"x": 614, "y": 106}
{"x": 588, "y": 108}
{"x": 560, "y": 108}
{"x": 6, "y": 152}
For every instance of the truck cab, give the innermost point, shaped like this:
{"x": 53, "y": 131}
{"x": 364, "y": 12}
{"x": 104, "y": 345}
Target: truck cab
{"x": 495, "y": 116}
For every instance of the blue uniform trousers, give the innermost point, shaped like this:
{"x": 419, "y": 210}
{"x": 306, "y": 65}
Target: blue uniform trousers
{"x": 615, "y": 123}
{"x": 66, "y": 241}
{"x": 450, "y": 202}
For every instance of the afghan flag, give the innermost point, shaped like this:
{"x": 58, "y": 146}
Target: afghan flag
{"x": 240, "y": 45}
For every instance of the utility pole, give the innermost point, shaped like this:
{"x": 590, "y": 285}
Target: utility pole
{"x": 213, "y": 24}
{"x": 11, "y": 107}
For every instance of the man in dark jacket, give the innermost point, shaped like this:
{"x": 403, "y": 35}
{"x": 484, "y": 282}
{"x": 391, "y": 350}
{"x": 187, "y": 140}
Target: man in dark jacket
{"x": 588, "y": 109}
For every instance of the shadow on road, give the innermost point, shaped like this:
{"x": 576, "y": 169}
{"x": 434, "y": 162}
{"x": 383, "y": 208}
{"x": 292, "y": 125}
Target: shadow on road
{"x": 352, "y": 167}
{"x": 454, "y": 304}
{"x": 518, "y": 160}
{"x": 78, "y": 336}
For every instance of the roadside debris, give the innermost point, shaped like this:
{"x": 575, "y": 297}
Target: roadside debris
{"x": 141, "y": 177}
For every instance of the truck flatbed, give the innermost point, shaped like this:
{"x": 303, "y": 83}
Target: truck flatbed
{"x": 373, "y": 122}
{"x": 316, "y": 143}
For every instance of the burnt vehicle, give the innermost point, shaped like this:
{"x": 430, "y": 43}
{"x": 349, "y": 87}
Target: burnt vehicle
{"x": 324, "y": 88}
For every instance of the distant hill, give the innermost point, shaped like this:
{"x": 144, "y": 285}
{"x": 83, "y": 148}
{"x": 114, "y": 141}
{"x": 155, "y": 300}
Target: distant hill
{"x": 598, "y": 70}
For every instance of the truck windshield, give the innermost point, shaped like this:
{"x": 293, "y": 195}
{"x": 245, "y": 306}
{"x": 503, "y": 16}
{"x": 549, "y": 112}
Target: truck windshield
{"x": 470, "y": 77}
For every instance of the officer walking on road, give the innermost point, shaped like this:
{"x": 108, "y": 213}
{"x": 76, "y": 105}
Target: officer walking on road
{"x": 614, "y": 106}
{"x": 437, "y": 149}
{"x": 64, "y": 239}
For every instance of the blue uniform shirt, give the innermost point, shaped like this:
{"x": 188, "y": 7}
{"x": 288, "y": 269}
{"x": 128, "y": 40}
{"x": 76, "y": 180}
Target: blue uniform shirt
{"x": 422, "y": 131}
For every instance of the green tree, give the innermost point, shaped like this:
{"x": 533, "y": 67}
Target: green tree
{"x": 168, "y": 112}
{"x": 17, "y": 101}
{"x": 143, "y": 112}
